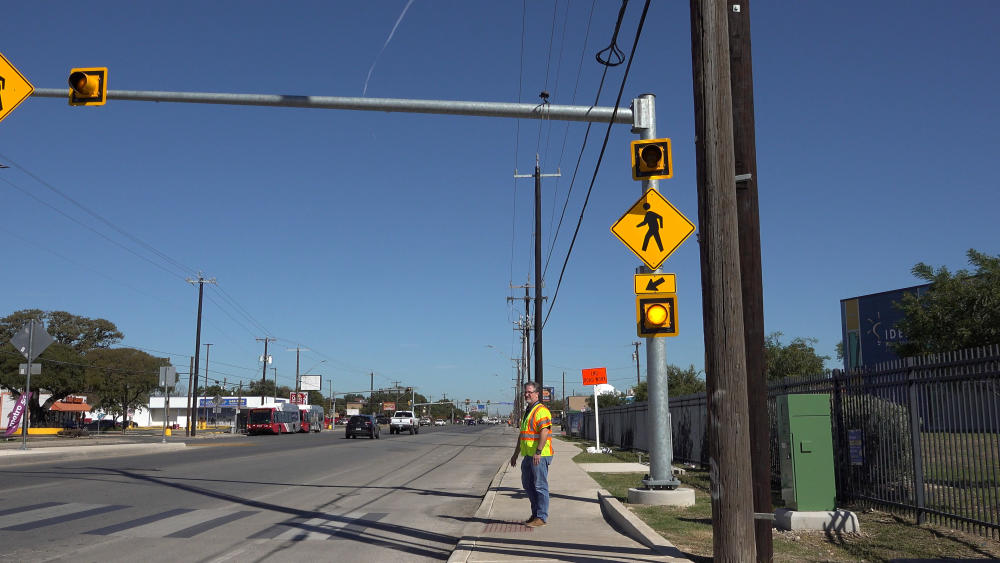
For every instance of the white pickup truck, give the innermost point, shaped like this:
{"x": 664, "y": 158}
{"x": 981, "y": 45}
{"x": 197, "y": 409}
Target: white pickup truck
{"x": 402, "y": 421}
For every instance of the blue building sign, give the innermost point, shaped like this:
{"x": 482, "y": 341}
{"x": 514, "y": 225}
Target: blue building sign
{"x": 226, "y": 403}
{"x": 868, "y": 325}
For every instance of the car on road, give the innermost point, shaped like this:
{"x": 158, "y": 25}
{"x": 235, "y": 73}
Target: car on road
{"x": 382, "y": 419}
{"x": 363, "y": 425}
{"x": 438, "y": 422}
{"x": 470, "y": 421}
{"x": 424, "y": 421}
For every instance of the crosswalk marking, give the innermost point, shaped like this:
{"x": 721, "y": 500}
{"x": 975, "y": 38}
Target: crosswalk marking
{"x": 35, "y": 513}
{"x": 173, "y": 524}
{"x": 29, "y": 507}
{"x": 185, "y": 522}
{"x": 213, "y": 523}
{"x": 59, "y": 519}
{"x": 137, "y": 522}
{"x": 320, "y": 528}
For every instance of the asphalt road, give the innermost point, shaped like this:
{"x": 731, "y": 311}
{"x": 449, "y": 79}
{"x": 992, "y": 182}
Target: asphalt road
{"x": 258, "y": 498}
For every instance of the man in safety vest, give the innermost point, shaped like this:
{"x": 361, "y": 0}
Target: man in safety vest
{"x": 535, "y": 444}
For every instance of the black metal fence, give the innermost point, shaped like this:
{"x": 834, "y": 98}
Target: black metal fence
{"x": 920, "y": 436}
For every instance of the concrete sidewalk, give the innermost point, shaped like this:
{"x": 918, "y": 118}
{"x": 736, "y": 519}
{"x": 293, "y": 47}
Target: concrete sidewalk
{"x": 582, "y": 522}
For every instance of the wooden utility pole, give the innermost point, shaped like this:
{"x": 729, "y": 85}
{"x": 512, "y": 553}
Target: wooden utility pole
{"x": 722, "y": 302}
{"x": 193, "y": 411}
{"x": 263, "y": 374}
{"x": 748, "y": 217}
{"x": 192, "y": 383}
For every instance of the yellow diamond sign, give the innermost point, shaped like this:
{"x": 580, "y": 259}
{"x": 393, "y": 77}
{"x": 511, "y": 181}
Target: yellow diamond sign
{"x": 14, "y": 87}
{"x": 653, "y": 228}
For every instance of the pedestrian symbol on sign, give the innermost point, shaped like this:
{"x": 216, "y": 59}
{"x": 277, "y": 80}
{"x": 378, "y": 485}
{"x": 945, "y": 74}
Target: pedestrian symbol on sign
{"x": 653, "y": 222}
{"x": 654, "y": 218}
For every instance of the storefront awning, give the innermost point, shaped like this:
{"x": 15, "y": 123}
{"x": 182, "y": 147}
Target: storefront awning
{"x": 59, "y": 406}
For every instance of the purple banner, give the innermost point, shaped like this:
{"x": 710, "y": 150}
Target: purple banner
{"x": 14, "y": 418}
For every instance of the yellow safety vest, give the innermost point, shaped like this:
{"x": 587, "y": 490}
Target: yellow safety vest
{"x": 531, "y": 431}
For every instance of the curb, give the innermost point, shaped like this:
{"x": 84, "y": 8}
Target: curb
{"x": 11, "y": 457}
{"x": 633, "y": 527}
{"x": 467, "y": 543}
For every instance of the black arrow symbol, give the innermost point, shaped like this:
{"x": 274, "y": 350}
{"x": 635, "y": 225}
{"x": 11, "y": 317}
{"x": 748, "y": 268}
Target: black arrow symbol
{"x": 652, "y": 285}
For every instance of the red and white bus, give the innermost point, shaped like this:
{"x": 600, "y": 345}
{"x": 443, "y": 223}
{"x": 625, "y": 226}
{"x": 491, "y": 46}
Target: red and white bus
{"x": 310, "y": 418}
{"x": 282, "y": 418}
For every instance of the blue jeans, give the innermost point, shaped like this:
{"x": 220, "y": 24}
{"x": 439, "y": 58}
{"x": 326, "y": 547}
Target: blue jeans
{"x": 535, "y": 480}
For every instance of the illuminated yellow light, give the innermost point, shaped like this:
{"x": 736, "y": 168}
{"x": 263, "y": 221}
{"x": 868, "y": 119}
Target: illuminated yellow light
{"x": 657, "y": 314}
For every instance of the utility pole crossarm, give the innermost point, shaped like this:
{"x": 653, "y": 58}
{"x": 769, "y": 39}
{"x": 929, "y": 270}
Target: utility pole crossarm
{"x": 591, "y": 114}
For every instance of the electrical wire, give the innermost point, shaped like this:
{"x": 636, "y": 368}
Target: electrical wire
{"x": 241, "y": 309}
{"x": 614, "y": 56}
{"x": 545, "y": 90}
{"x": 600, "y": 158}
{"x": 100, "y": 218}
{"x": 88, "y": 227}
{"x": 576, "y": 168}
{"x": 562, "y": 152}
{"x": 517, "y": 137}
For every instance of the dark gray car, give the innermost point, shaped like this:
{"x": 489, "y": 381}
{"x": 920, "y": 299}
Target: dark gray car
{"x": 364, "y": 425}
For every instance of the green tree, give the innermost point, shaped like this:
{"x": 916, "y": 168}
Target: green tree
{"x": 317, "y": 398}
{"x": 797, "y": 359}
{"x": 679, "y": 382}
{"x": 607, "y": 399}
{"x": 215, "y": 390}
{"x": 63, "y": 362}
{"x": 959, "y": 310}
{"x": 121, "y": 379}
{"x": 266, "y": 388}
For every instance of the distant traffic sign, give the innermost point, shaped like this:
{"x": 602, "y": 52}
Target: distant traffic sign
{"x": 595, "y": 376}
{"x": 32, "y": 336}
{"x": 14, "y": 87}
{"x": 655, "y": 283}
{"x": 652, "y": 228}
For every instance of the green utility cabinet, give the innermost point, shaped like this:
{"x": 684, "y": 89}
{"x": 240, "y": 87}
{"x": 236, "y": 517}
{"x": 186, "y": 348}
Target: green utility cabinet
{"x": 805, "y": 440}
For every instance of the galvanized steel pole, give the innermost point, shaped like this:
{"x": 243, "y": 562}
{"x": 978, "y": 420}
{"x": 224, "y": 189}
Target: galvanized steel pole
{"x": 26, "y": 409}
{"x": 592, "y": 114}
{"x": 661, "y": 454}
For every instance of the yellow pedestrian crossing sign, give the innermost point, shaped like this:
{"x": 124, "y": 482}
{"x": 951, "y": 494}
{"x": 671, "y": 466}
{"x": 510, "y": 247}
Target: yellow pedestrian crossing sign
{"x": 14, "y": 87}
{"x": 652, "y": 228}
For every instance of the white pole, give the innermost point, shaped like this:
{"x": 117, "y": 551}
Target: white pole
{"x": 597, "y": 423}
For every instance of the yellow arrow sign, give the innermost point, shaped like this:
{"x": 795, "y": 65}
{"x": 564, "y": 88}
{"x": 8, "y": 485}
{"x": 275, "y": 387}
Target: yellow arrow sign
{"x": 14, "y": 87}
{"x": 652, "y": 228}
{"x": 655, "y": 283}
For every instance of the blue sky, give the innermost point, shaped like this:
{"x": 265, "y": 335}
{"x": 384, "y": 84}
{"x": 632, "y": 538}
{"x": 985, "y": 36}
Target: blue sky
{"x": 388, "y": 243}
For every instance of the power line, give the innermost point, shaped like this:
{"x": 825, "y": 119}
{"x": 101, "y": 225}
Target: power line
{"x": 88, "y": 227}
{"x": 576, "y": 85}
{"x": 600, "y": 158}
{"x": 144, "y": 244}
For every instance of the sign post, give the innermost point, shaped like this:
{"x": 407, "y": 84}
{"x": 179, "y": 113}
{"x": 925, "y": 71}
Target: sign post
{"x": 31, "y": 341}
{"x": 595, "y": 377}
